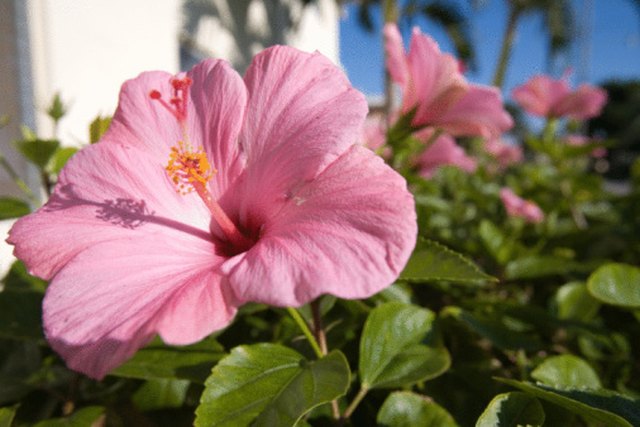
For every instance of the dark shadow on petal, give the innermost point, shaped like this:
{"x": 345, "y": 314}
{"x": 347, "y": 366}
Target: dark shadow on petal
{"x": 121, "y": 212}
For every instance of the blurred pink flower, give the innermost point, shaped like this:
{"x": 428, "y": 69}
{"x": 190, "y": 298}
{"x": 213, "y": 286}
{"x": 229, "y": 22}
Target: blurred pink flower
{"x": 443, "y": 151}
{"x": 292, "y": 210}
{"x": 506, "y": 154}
{"x": 432, "y": 84}
{"x": 580, "y": 140}
{"x": 546, "y": 97}
{"x": 518, "y": 207}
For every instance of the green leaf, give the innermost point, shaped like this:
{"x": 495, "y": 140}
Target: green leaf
{"x": 535, "y": 266}
{"x": 10, "y": 207}
{"x": 98, "y": 127}
{"x": 19, "y": 360}
{"x": 391, "y": 353}
{"x": 494, "y": 330}
{"x": 269, "y": 385}
{"x": 495, "y": 241}
{"x": 512, "y": 410}
{"x": 19, "y": 279}
{"x": 6, "y": 416}
{"x": 57, "y": 109}
{"x": 432, "y": 261}
{"x": 81, "y": 418}
{"x": 161, "y": 393}
{"x": 406, "y": 409}
{"x": 20, "y": 314}
{"x": 616, "y": 284}
{"x": 566, "y": 371}
{"x": 602, "y": 406}
{"x": 60, "y": 158}
{"x": 159, "y": 361}
{"x": 37, "y": 151}
{"x": 573, "y": 302}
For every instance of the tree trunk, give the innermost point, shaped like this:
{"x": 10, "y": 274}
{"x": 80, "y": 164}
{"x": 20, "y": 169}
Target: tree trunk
{"x": 507, "y": 45}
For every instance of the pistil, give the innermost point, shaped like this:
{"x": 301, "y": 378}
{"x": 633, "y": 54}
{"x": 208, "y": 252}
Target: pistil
{"x": 189, "y": 168}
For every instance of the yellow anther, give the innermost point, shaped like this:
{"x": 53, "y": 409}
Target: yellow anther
{"x": 187, "y": 167}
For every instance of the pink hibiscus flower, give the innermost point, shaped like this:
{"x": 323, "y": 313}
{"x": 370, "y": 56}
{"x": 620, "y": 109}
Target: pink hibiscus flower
{"x": 443, "y": 151}
{"x": 210, "y": 191}
{"x": 544, "y": 96}
{"x": 520, "y": 208}
{"x": 506, "y": 154}
{"x": 433, "y": 85}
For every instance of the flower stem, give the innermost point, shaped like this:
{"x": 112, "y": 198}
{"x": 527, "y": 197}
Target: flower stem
{"x": 355, "y": 402}
{"x": 318, "y": 330}
{"x": 306, "y": 331}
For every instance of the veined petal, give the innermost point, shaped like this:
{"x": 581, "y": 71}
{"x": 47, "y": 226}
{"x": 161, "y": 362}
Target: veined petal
{"x": 215, "y": 110}
{"x": 301, "y": 115}
{"x": 112, "y": 298}
{"x": 217, "y": 106}
{"x": 348, "y": 233}
{"x": 106, "y": 192}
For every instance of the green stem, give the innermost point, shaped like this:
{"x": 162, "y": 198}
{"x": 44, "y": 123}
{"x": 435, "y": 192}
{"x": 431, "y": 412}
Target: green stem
{"x": 355, "y": 402}
{"x": 320, "y": 335}
{"x": 305, "y": 330}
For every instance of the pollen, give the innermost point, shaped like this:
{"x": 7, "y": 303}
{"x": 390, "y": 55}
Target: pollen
{"x": 188, "y": 168}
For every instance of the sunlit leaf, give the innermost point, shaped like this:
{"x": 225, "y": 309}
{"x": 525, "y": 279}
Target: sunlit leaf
{"x": 159, "y": 361}
{"x": 391, "y": 350}
{"x": 616, "y": 284}
{"x": 269, "y": 385}
{"x": 512, "y": 410}
{"x": 432, "y": 261}
{"x": 566, "y": 371}
{"x": 406, "y": 409}
{"x": 10, "y": 207}
{"x": 37, "y": 151}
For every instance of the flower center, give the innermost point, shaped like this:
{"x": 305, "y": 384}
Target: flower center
{"x": 190, "y": 170}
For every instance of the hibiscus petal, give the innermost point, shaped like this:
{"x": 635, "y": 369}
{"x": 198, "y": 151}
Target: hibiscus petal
{"x": 301, "y": 115}
{"x": 396, "y": 57}
{"x": 106, "y": 192}
{"x": 218, "y": 100}
{"x": 480, "y": 112}
{"x": 112, "y": 298}
{"x": 348, "y": 233}
{"x": 215, "y": 112}
{"x": 435, "y": 78}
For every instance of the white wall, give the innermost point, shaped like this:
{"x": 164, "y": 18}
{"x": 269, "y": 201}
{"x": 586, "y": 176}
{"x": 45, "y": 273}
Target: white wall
{"x": 85, "y": 49}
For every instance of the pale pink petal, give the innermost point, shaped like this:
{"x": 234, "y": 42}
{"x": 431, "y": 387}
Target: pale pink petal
{"x": 396, "y": 56}
{"x": 444, "y": 151}
{"x": 215, "y": 113}
{"x": 217, "y": 107}
{"x": 113, "y": 297}
{"x": 106, "y": 192}
{"x": 436, "y": 82}
{"x": 520, "y": 208}
{"x": 584, "y": 103}
{"x": 480, "y": 112}
{"x": 302, "y": 114}
{"x": 505, "y": 153}
{"x": 348, "y": 233}
{"x": 540, "y": 95}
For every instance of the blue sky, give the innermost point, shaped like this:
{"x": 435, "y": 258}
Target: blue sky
{"x": 611, "y": 49}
